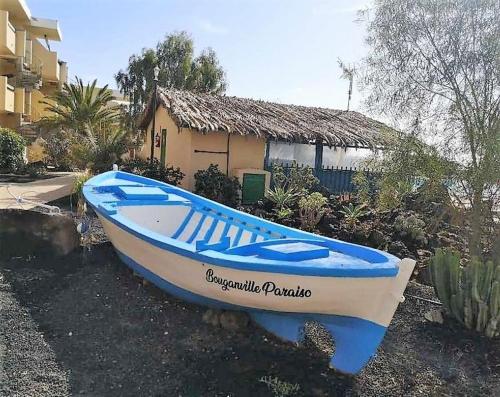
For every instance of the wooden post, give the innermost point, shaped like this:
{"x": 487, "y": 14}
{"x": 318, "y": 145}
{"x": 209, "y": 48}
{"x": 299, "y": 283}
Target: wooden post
{"x": 266, "y": 156}
{"x": 318, "y": 160}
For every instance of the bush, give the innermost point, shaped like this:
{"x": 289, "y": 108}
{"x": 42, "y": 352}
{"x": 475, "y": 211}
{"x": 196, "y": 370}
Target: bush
{"x": 169, "y": 174}
{"x": 311, "y": 209}
{"x": 77, "y": 191}
{"x": 34, "y": 170}
{"x": 111, "y": 145}
{"x": 470, "y": 294}
{"x": 11, "y": 150}
{"x": 215, "y": 185}
{"x": 404, "y": 164}
{"x": 58, "y": 145}
{"x": 299, "y": 179}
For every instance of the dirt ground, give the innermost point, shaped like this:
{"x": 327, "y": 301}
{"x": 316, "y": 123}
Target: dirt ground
{"x": 85, "y": 325}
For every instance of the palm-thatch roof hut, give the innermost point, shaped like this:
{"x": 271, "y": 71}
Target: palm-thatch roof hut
{"x": 209, "y": 113}
{"x": 233, "y": 132}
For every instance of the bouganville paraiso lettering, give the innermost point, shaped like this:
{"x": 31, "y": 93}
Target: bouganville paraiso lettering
{"x": 267, "y": 288}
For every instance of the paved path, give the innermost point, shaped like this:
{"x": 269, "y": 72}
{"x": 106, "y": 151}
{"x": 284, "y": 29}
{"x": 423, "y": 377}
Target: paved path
{"x": 41, "y": 191}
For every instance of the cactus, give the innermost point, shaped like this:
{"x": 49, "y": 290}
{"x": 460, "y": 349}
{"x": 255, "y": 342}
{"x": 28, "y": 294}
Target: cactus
{"x": 471, "y": 294}
{"x": 411, "y": 228}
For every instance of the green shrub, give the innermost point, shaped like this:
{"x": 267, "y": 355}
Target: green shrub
{"x": 365, "y": 187}
{"x": 300, "y": 179}
{"x": 57, "y": 146}
{"x": 169, "y": 174}
{"x": 471, "y": 294}
{"x": 35, "y": 169}
{"x": 283, "y": 215}
{"x": 215, "y": 185}
{"x": 134, "y": 166}
{"x": 11, "y": 150}
{"x": 77, "y": 191}
{"x": 311, "y": 209}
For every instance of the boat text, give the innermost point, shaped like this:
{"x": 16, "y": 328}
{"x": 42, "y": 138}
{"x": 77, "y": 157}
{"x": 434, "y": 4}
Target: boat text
{"x": 267, "y": 288}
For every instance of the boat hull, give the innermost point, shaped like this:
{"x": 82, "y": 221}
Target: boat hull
{"x": 373, "y": 299}
{"x": 356, "y": 311}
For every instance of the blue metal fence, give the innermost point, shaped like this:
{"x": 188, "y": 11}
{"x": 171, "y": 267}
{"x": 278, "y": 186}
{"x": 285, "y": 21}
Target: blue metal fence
{"x": 338, "y": 180}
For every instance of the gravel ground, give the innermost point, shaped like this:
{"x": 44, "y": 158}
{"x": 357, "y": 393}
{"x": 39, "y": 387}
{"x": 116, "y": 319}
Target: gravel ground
{"x": 85, "y": 325}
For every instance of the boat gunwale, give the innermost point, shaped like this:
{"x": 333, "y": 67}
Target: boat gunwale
{"x": 228, "y": 260}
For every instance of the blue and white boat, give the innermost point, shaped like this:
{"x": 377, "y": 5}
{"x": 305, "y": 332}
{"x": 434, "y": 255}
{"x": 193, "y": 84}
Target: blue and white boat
{"x": 214, "y": 255}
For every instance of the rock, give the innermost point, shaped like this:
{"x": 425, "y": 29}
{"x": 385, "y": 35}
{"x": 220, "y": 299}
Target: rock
{"x": 397, "y": 248}
{"x": 359, "y": 234}
{"x": 212, "y": 317}
{"x": 31, "y": 233}
{"x": 378, "y": 238}
{"x": 434, "y": 316}
{"x": 234, "y": 321}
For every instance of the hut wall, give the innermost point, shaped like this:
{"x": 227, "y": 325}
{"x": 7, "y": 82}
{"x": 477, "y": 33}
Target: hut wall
{"x": 191, "y": 150}
{"x": 244, "y": 152}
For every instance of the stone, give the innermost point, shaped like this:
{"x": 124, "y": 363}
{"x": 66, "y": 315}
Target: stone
{"x": 212, "y": 317}
{"x": 434, "y": 316}
{"x": 234, "y": 321}
{"x": 397, "y": 248}
{"x": 30, "y": 233}
{"x": 378, "y": 238}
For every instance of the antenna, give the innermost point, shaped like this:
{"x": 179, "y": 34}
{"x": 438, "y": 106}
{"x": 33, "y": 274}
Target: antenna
{"x": 348, "y": 72}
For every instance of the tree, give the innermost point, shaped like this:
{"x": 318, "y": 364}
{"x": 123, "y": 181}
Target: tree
{"x": 86, "y": 131}
{"x": 435, "y": 63}
{"x": 82, "y": 110}
{"x": 178, "y": 69}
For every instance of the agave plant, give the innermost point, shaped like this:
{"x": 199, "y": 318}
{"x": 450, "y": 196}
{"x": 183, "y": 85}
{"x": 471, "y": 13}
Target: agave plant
{"x": 353, "y": 213}
{"x": 282, "y": 197}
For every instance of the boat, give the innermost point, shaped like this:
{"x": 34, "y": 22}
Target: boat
{"x": 210, "y": 254}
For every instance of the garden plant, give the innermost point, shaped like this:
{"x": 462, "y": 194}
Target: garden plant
{"x": 12, "y": 147}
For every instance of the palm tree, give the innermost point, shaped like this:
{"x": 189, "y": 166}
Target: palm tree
{"x": 81, "y": 109}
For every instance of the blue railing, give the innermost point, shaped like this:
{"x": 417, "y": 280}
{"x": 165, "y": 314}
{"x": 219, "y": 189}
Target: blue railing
{"x": 338, "y": 180}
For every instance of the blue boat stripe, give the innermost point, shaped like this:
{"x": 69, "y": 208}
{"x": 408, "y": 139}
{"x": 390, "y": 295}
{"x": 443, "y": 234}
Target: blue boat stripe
{"x": 211, "y": 230}
{"x": 226, "y": 229}
{"x": 254, "y": 237}
{"x": 197, "y": 229}
{"x": 244, "y": 225}
{"x": 183, "y": 224}
{"x": 238, "y": 236}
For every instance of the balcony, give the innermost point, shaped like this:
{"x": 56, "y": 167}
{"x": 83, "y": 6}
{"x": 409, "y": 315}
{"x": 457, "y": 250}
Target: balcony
{"x": 7, "y": 36}
{"x": 7, "y": 96}
{"x": 19, "y": 100}
{"x": 46, "y": 60}
{"x": 26, "y": 76}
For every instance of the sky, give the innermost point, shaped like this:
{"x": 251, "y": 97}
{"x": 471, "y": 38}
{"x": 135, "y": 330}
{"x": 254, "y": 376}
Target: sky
{"x": 277, "y": 50}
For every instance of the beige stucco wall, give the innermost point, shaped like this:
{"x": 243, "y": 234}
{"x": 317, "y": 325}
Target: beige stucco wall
{"x": 244, "y": 151}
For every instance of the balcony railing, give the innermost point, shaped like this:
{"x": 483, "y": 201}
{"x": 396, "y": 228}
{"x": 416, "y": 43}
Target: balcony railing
{"x": 7, "y": 35}
{"x": 47, "y": 61}
{"x": 7, "y": 96}
{"x": 30, "y": 78}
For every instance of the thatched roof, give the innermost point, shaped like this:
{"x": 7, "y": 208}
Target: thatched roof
{"x": 207, "y": 113}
